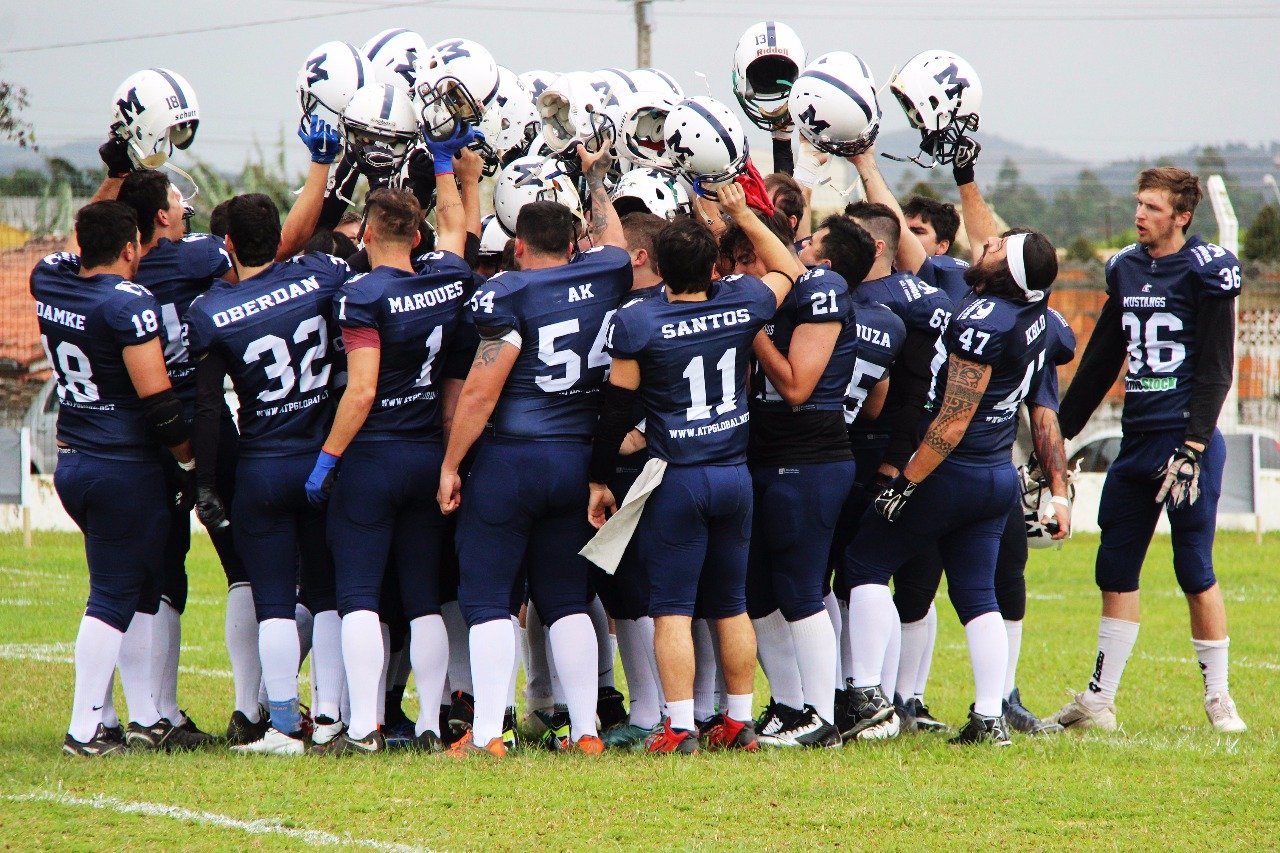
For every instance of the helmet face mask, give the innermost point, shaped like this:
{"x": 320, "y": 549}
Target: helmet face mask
{"x": 445, "y": 105}
{"x": 766, "y": 62}
{"x": 941, "y": 95}
{"x": 378, "y": 126}
{"x": 457, "y": 80}
{"x": 572, "y": 110}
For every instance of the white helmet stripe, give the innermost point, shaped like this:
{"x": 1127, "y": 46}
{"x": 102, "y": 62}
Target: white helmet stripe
{"x": 717, "y": 126}
{"x": 177, "y": 90}
{"x": 843, "y": 87}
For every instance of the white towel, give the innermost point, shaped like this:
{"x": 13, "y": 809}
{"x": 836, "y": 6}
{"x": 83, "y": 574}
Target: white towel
{"x": 606, "y": 548}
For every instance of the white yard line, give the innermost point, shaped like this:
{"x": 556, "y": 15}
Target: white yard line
{"x": 15, "y": 602}
{"x": 65, "y": 653}
{"x": 1241, "y": 662}
{"x": 309, "y": 837}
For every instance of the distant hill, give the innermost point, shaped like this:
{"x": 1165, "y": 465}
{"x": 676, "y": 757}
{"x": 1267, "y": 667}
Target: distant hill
{"x": 83, "y": 154}
{"x": 1044, "y": 169}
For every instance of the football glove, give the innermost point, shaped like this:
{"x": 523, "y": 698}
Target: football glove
{"x": 442, "y": 153}
{"x": 966, "y": 155}
{"x": 115, "y": 156}
{"x": 209, "y": 509}
{"x": 321, "y": 140}
{"x": 320, "y": 483}
{"x": 890, "y": 502}
{"x": 1180, "y": 478}
{"x": 182, "y": 489}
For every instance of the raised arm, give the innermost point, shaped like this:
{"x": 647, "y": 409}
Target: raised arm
{"x": 784, "y": 267}
{"x": 979, "y": 221}
{"x": 323, "y": 143}
{"x": 605, "y": 228}
{"x": 911, "y": 254}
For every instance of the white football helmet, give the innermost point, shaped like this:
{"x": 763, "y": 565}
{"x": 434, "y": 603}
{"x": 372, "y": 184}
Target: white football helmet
{"x": 655, "y": 80}
{"x": 393, "y": 54}
{"x": 572, "y": 110}
{"x": 1035, "y": 502}
{"x": 942, "y": 96}
{"x": 378, "y": 127}
{"x": 642, "y": 117}
{"x": 705, "y": 143}
{"x": 833, "y": 103}
{"x": 766, "y": 62}
{"x": 155, "y": 111}
{"x": 617, "y": 83}
{"x": 457, "y": 80}
{"x": 651, "y": 190}
{"x": 332, "y": 74}
{"x": 493, "y": 237}
{"x": 518, "y": 119}
{"x": 536, "y": 82}
{"x": 528, "y": 179}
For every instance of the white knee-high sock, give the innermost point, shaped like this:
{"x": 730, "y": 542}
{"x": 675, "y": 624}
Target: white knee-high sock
{"x": 989, "y": 655}
{"x": 97, "y": 652}
{"x": 109, "y": 716}
{"x": 815, "y": 649}
{"x": 327, "y": 671}
{"x": 135, "y": 670}
{"x": 515, "y": 667}
{"x": 305, "y": 621}
{"x": 1212, "y": 655}
{"x": 846, "y": 653}
{"x": 279, "y": 650}
{"x": 1116, "y": 638}
{"x": 776, "y": 649}
{"x": 459, "y": 658}
{"x": 871, "y": 619}
{"x": 166, "y": 642}
{"x": 892, "y": 652}
{"x": 573, "y": 645}
{"x": 492, "y": 657}
{"x": 553, "y": 671}
{"x": 832, "y": 606}
{"x": 915, "y": 636}
{"x": 429, "y": 654}
{"x": 635, "y": 647}
{"x": 385, "y": 633}
{"x": 241, "y": 633}
{"x": 604, "y": 648}
{"x": 1013, "y": 633}
{"x": 363, "y": 659}
{"x": 705, "y": 671}
{"x": 538, "y": 690}
{"x": 722, "y": 690}
{"x": 921, "y": 679}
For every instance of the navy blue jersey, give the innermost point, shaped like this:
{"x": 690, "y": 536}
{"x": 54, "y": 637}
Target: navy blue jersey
{"x": 880, "y": 336}
{"x": 947, "y": 274}
{"x": 416, "y": 315}
{"x": 1009, "y": 336}
{"x": 819, "y": 296}
{"x": 693, "y": 360}
{"x": 177, "y": 273}
{"x": 85, "y": 324}
{"x": 921, "y": 307}
{"x": 273, "y": 330}
{"x": 1059, "y": 349}
{"x": 1160, "y": 298}
{"x": 560, "y": 316}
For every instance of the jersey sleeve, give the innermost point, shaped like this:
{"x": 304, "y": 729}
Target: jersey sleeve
{"x": 927, "y": 307}
{"x": 1063, "y": 341}
{"x": 197, "y": 327}
{"x": 1110, "y": 271}
{"x": 329, "y": 270}
{"x": 1044, "y": 393}
{"x": 624, "y": 339}
{"x": 133, "y": 315}
{"x": 356, "y": 305}
{"x": 442, "y": 263}
{"x": 822, "y": 296}
{"x": 208, "y": 254}
{"x": 495, "y": 304}
{"x": 975, "y": 333}
{"x": 1219, "y": 271}
{"x": 604, "y": 258}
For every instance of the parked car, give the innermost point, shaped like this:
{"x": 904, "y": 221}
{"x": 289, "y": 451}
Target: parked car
{"x": 1099, "y": 450}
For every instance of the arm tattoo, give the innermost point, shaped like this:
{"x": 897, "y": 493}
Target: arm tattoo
{"x": 1050, "y": 450}
{"x": 487, "y": 353}
{"x": 599, "y": 203}
{"x": 958, "y": 406}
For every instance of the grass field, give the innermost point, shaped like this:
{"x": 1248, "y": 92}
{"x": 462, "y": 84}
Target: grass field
{"x": 1166, "y": 780}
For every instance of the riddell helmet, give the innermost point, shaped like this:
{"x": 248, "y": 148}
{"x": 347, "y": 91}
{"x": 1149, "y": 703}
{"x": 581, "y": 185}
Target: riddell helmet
{"x": 1035, "y": 494}
{"x": 332, "y": 74}
{"x": 651, "y": 190}
{"x": 529, "y": 179}
{"x": 766, "y": 62}
{"x": 378, "y": 126}
{"x": 573, "y": 110}
{"x": 642, "y": 117}
{"x": 457, "y": 79}
{"x": 833, "y": 102}
{"x": 942, "y": 96}
{"x": 393, "y": 53}
{"x": 155, "y": 111}
{"x": 654, "y": 80}
{"x": 705, "y": 142}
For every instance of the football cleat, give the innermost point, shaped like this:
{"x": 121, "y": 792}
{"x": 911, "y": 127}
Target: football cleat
{"x": 868, "y": 706}
{"x": 115, "y": 733}
{"x": 466, "y": 748}
{"x": 510, "y": 733}
{"x": 274, "y": 742}
{"x": 445, "y": 733}
{"x": 890, "y": 727}
{"x": 164, "y": 735}
{"x": 462, "y": 712}
{"x": 1018, "y": 718}
{"x": 610, "y": 708}
{"x": 924, "y": 721}
{"x": 775, "y": 717}
{"x": 344, "y": 744}
{"x": 982, "y": 729}
{"x": 325, "y": 730}
{"x": 428, "y": 741}
{"x": 555, "y": 728}
{"x": 704, "y": 726}
{"x": 1078, "y": 714}
{"x": 1221, "y": 711}
{"x": 102, "y": 743}
{"x": 587, "y": 745}
{"x": 732, "y": 734}
{"x": 240, "y": 731}
{"x": 399, "y": 736}
{"x": 805, "y": 728}
{"x": 906, "y": 720}
{"x": 625, "y": 736}
{"x": 198, "y": 737}
{"x": 664, "y": 739}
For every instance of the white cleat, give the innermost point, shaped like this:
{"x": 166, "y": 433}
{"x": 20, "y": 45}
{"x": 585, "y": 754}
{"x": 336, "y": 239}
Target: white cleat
{"x": 1223, "y": 714}
{"x": 887, "y": 728}
{"x": 274, "y": 742}
{"x": 325, "y": 732}
{"x": 1078, "y": 714}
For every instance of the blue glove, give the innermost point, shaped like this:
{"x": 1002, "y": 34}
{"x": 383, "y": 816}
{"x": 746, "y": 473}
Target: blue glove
{"x": 320, "y": 483}
{"x": 442, "y": 153}
{"x": 321, "y": 140}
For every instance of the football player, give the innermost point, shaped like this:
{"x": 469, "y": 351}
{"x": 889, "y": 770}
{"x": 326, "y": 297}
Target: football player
{"x": 271, "y": 333}
{"x": 684, "y": 356}
{"x": 935, "y": 224}
{"x": 1170, "y": 307}
{"x": 101, "y": 334}
{"x": 537, "y": 374}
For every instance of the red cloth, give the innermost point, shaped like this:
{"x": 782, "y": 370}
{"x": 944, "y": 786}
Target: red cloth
{"x": 354, "y": 339}
{"x": 753, "y": 185}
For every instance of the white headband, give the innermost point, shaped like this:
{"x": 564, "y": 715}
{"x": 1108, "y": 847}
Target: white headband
{"x": 1013, "y": 247}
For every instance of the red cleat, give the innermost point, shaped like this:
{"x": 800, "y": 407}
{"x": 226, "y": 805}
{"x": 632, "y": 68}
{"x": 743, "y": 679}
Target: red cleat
{"x": 728, "y": 733}
{"x": 667, "y": 739}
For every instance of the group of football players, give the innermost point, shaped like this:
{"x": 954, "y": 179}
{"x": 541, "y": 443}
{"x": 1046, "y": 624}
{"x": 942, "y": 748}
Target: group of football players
{"x": 647, "y": 408}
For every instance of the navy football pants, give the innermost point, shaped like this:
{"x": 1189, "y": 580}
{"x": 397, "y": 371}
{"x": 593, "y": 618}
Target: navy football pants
{"x": 625, "y": 593}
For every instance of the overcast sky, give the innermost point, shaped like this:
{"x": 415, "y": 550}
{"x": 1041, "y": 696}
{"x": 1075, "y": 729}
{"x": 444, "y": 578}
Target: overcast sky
{"x": 1095, "y": 80}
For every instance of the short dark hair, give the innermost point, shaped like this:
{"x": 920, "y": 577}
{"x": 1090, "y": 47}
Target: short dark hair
{"x": 147, "y": 192}
{"x": 395, "y": 213}
{"x": 218, "y": 219}
{"x": 787, "y": 197}
{"x": 848, "y": 247}
{"x": 734, "y": 241}
{"x": 641, "y": 229}
{"x": 331, "y": 243}
{"x": 103, "y": 229}
{"x": 686, "y": 253}
{"x": 253, "y": 225}
{"x": 939, "y": 215}
{"x": 880, "y": 220}
{"x": 547, "y": 227}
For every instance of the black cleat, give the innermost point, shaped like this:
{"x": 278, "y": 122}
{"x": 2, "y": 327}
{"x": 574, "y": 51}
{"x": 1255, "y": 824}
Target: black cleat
{"x": 115, "y": 733}
{"x": 868, "y": 706}
{"x": 445, "y": 733}
{"x": 164, "y": 735}
{"x": 240, "y": 731}
{"x": 556, "y": 723}
{"x": 906, "y": 719}
{"x": 103, "y": 742}
{"x": 805, "y": 728}
{"x": 982, "y": 729}
{"x": 925, "y": 722}
{"x": 1018, "y": 718}
{"x": 198, "y": 737}
{"x": 462, "y": 712}
{"x": 344, "y": 745}
{"x": 774, "y": 718}
{"x": 510, "y": 731}
{"x": 428, "y": 741}
{"x": 610, "y": 708}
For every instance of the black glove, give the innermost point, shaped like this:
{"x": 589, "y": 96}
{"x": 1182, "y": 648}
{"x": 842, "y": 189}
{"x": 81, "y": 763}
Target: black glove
{"x": 182, "y": 489}
{"x": 209, "y": 509}
{"x": 966, "y": 155}
{"x": 877, "y": 484}
{"x": 115, "y": 154}
{"x": 1181, "y": 478}
{"x": 889, "y": 503}
{"x": 421, "y": 175}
